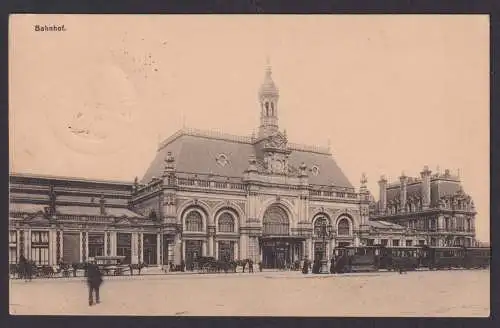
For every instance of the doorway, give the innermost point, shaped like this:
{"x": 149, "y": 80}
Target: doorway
{"x": 275, "y": 255}
{"x": 150, "y": 250}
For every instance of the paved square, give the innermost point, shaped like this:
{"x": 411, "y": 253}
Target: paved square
{"x": 423, "y": 293}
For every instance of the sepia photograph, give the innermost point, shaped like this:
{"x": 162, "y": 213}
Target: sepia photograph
{"x": 249, "y": 165}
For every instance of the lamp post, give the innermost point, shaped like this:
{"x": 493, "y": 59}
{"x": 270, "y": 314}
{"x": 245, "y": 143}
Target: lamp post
{"x": 325, "y": 232}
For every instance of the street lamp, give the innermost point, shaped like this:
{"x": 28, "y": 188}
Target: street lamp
{"x": 325, "y": 232}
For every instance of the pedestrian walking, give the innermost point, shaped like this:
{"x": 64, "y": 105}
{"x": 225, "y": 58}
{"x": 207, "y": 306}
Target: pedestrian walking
{"x": 94, "y": 281}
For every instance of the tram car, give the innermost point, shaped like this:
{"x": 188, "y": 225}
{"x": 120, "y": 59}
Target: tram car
{"x": 395, "y": 258}
{"x": 477, "y": 257}
{"x": 440, "y": 258}
{"x": 378, "y": 257}
{"x": 356, "y": 259}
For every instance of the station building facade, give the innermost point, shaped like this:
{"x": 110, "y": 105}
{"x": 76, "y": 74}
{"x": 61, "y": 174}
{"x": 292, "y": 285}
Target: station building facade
{"x": 256, "y": 197}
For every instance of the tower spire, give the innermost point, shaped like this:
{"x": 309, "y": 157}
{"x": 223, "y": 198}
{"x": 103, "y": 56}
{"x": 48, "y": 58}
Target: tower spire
{"x": 268, "y": 99}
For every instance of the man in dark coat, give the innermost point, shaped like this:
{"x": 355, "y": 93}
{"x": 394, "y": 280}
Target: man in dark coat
{"x": 305, "y": 266}
{"x": 94, "y": 281}
{"x": 22, "y": 266}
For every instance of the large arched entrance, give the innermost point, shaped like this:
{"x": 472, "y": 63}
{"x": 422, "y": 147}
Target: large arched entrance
{"x": 279, "y": 248}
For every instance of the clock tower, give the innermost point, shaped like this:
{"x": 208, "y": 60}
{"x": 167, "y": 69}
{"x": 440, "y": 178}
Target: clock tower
{"x": 268, "y": 100}
{"x": 271, "y": 143}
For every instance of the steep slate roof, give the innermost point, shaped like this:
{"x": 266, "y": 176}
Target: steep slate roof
{"x": 196, "y": 153}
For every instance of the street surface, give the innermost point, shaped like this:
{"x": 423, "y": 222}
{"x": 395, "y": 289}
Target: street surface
{"x": 422, "y": 293}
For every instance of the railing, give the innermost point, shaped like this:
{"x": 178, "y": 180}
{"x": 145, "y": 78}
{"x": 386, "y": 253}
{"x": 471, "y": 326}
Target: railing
{"x": 198, "y": 183}
{"x": 327, "y": 194}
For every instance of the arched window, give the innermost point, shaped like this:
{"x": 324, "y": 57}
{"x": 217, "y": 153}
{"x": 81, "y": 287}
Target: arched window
{"x": 343, "y": 227}
{"x": 272, "y": 108}
{"x": 194, "y": 221}
{"x": 267, "y": 108}
{"x": 226, "y": 222}
{"x": 318, "y": 223}
{"x": 276, "y": 221}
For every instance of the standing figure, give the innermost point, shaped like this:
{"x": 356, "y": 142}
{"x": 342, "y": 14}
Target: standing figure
{"x": 28, "y": 271}
{"x": 250, "y": 266}
{"x": 332, "y": 265}
{"x": 305, "y": 267}
{"x": 244, "y": 265}
{"x": 94, "y": 281}
{"x": 22, "y": 267}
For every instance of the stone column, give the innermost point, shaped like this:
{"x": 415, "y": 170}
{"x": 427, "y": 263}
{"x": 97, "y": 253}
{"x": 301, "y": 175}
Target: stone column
{"x": 106, "y": 243}
{"x": 84, "y": 246}
{"x": 211, "y": 236}
{"x": 159, "y": 250}
{"x": 236, "y": 251}
{"x": 211, "y": 246}
{"x": 113, "y": 243}
{"x": 309, "y": 248}
{"x": 19, "y": 243}
{"x": 178, "y": 250}
{"x": 216, "y": 249}
{"x": 140, "y": 245}
{"x": 204, "y": 247}
{"x": 133, "y": 258}
{"x": 52, "y": 247}
{"x": 183, "y": 250}
{"x": 27, "y": 243}
{"x": 243, "y": 246}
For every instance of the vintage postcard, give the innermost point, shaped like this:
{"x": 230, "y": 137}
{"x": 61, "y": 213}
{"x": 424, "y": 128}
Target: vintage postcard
{"x": 301, "y": 165}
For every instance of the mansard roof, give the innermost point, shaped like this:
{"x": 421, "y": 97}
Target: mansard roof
{"x": 442, "y": 185}
{"x": 205, "y": 152}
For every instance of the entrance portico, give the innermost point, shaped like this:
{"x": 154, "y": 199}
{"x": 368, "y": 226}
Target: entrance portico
{"x": 279, "y": 251}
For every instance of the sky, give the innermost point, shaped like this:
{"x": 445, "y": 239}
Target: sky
{"x": 389, "y": 93}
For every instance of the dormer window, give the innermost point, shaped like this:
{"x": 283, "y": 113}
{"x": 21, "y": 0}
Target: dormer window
{"x": 315, "y": 170}
{"x": 222, "y": 160}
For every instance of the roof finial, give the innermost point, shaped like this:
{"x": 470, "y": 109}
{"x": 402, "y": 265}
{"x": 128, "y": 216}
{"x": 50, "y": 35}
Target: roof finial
{"x": 268, "y": 66}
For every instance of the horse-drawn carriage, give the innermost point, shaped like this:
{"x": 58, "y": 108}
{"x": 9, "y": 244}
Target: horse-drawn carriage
{"x": 207, "y": 264}
{"x": 111, "y": 265}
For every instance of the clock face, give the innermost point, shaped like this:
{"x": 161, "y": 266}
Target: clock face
{"x": 277, "y": 166}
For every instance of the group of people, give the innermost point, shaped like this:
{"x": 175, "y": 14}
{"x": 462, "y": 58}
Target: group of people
{"x": 315, "y": 266}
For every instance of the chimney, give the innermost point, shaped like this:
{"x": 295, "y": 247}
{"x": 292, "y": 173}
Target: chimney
{"x": 402, "y": 195}
{"x": 382, "y": 194}
{"x": 426, "y": 187}
{"x": 101, "y": 205}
